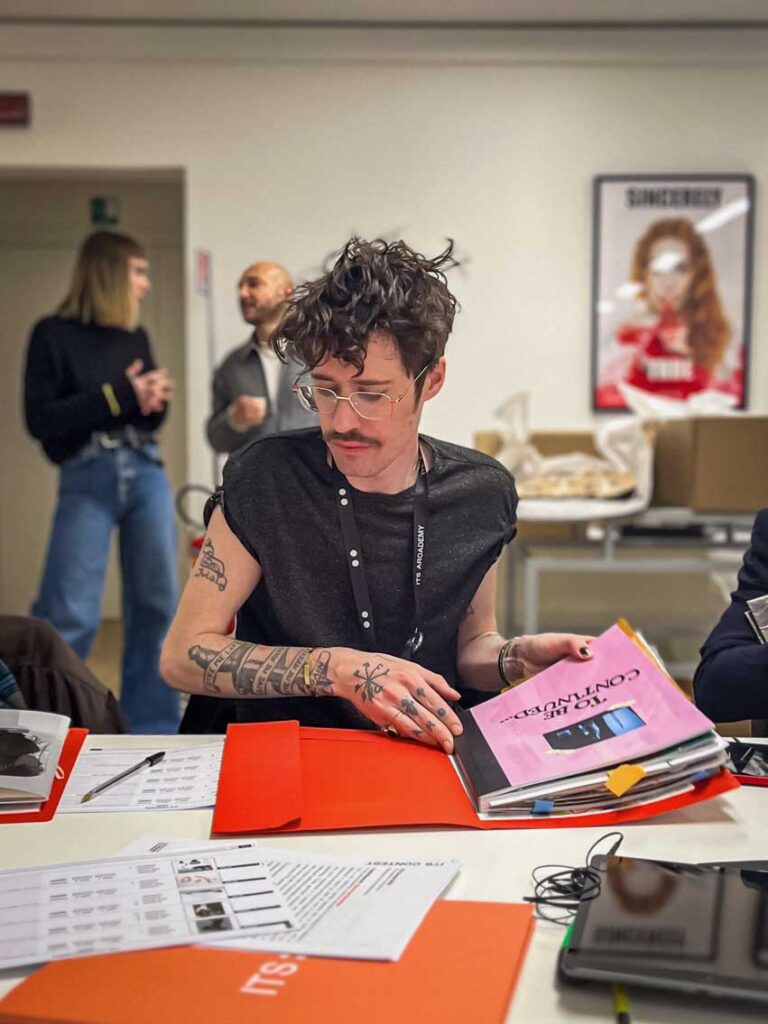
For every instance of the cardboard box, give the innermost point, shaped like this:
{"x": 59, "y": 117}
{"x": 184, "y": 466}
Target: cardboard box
{"x": 712, "y": 464}
{"x": 548, "y": 442}
{"x": 563, "y": 442}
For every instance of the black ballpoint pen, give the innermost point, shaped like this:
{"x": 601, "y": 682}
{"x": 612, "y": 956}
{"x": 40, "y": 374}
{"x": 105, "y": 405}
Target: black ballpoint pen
{"x": 148, "y": 762}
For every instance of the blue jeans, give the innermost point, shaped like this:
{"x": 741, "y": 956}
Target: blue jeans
{"x": 101, "y": 488}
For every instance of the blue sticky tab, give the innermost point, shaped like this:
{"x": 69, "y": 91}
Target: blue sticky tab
{"x": 706, "y": 773}
{"x": 542, "y": 807}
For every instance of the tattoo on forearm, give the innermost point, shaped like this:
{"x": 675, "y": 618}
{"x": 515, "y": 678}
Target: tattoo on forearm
{"x": 369, "y": 677}
{"x": 263, "y": 672}
{"x": 211, "y": 661}
{"x": 278, "y": 670}
{"x": 209, "y": 567}
{"x": 319, "y": 675}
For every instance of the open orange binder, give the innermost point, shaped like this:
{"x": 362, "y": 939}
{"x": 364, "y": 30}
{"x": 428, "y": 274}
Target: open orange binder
{"x": 70, "y": 750}
{"x": 461, "y": 965}
{"x": 279, "y": 776}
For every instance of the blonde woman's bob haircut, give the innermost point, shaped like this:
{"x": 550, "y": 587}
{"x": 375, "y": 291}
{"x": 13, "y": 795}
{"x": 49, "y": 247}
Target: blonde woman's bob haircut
{"x": 100, "y": 292}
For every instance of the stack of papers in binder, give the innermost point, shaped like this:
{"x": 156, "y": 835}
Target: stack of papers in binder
{"x": 585, "y": 737}
{"x": 30, "y": 747}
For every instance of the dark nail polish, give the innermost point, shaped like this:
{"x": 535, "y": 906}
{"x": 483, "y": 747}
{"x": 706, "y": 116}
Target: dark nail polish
{"x": 585, "y": 652}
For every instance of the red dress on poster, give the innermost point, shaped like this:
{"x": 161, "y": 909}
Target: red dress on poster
{"x": 660, "y": 365}
{"x": 663, "y": 364}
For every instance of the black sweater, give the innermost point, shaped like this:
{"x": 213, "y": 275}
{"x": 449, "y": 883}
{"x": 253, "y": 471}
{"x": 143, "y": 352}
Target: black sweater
{"x": 67, "y": 364}
{"x": 731, "y": 682}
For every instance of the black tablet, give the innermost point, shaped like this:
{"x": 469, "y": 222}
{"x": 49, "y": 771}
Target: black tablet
{"x": 691, "y": 928}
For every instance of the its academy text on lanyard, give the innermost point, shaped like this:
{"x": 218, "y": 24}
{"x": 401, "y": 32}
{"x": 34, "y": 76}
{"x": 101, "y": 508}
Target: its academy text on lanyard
{"x": 356, "y": 567}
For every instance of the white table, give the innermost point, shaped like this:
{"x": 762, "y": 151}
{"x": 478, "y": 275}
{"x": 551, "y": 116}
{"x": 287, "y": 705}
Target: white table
{"x": 497, "y": 866}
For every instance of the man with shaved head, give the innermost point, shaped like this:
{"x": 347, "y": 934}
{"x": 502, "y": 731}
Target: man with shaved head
{"x": 252, "y": 389}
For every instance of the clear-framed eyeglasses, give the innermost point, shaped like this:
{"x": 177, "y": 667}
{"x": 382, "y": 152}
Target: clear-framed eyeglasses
{"x": 370, "y": 405}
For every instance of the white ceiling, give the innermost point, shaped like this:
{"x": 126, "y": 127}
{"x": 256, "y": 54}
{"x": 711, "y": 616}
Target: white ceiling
{"x": 434, "y": 11}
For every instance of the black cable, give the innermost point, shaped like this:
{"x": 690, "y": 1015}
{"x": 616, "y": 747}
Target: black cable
{"x": 558, "y": 894}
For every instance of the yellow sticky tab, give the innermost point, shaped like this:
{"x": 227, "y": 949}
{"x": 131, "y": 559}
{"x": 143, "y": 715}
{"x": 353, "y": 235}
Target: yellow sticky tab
{"x": 623, "y": 778}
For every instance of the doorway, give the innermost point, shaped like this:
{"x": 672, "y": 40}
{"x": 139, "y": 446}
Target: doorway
{"x": 44, "y": 215}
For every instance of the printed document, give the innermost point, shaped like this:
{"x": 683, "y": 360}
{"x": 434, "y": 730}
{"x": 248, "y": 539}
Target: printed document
{"x": 185, "y": 779}
{"x": 345, "y": 906}
{"x": 108, "y": 906}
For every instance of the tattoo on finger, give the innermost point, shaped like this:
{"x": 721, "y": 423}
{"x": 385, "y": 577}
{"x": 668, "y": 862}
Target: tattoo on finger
{"x": 410, "y": 707}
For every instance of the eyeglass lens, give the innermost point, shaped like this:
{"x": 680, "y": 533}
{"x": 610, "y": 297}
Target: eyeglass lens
{"x": 368, "y": 404}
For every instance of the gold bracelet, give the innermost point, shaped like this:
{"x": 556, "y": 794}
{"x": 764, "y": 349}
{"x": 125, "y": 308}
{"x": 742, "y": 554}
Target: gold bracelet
{"x": 112, "y": 402}
{"x": 309, "y": 684}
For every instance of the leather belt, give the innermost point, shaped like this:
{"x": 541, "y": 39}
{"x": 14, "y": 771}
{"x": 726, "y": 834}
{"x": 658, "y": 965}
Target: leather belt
{"x": 128, "y": 436}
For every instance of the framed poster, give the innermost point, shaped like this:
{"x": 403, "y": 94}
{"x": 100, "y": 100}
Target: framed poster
{"x": 671, "y": 285}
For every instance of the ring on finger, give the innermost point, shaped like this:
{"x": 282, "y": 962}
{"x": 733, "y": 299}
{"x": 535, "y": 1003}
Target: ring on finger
{"x": 390, "y": 729}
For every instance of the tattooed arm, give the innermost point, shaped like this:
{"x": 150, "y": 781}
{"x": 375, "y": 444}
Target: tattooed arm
{"x": 479, "y": 644}
{"x": 198, "y": 656}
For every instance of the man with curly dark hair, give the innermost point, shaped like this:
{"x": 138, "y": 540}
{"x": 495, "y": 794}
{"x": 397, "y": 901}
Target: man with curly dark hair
{"x": 363, "y": 574}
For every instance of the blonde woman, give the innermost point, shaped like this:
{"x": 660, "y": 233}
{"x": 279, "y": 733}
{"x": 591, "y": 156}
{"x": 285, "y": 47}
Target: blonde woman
{"x": 94, "y": 399}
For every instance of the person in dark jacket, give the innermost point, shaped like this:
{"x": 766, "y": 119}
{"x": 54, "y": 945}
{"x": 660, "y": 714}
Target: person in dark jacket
{"x": 94, "y": 399}
{"x": 252, "y": 388}
{"x": 731, "y": 682}
{"x": 43, "y": 673}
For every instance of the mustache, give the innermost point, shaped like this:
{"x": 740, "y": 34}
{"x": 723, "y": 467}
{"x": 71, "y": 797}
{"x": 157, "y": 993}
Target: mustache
{"x": 351, "y": 437}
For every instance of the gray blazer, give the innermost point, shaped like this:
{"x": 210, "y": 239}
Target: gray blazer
{"x": 242, "y": 373}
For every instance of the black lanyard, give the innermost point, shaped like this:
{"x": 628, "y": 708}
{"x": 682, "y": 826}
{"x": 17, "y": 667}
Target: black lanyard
{"x": 354, "y": 557}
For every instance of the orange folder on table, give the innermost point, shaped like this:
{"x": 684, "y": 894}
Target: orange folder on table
{"x": 280, "y": 777}
{"x": 70, "y": 750}
{"x": 461, "y": 965}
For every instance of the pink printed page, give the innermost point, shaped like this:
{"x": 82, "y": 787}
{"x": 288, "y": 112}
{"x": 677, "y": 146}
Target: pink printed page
{"x": 580, "y": 716}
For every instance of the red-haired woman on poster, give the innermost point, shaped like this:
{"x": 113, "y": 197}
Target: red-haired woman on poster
{"x": 681, "y": 339}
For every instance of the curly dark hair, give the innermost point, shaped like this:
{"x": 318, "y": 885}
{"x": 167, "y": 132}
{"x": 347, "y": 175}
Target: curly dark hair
{"x": 373, "y": 287}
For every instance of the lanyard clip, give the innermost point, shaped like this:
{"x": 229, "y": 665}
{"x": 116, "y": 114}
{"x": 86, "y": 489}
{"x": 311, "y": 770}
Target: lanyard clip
{"x": 413, "y": 644}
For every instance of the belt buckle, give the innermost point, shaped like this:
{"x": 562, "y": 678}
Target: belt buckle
{"x": 106, "y": 441}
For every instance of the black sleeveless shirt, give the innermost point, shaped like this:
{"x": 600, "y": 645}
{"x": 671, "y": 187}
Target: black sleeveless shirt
{"x": 280, "y": 502}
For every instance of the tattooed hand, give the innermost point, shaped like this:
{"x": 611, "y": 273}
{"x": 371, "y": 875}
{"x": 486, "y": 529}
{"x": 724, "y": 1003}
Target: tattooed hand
{"x": 397, "y": 693}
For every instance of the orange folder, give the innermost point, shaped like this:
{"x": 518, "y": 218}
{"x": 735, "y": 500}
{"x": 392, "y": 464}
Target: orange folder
{"x": 70, "y": 750}
{"x": 280, "y": 777}
{"x": 461, "y": 965}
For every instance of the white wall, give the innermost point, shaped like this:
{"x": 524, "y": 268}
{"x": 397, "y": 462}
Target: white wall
{"x": 291, "y": 140}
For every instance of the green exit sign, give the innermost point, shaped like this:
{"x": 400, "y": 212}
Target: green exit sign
{"x": 105, "y": 211}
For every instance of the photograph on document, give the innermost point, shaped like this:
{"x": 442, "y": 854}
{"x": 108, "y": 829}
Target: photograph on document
{"x": 188, "y": 864}
{"x": 30, "y": 746}
{"x": 215, "y": 924}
